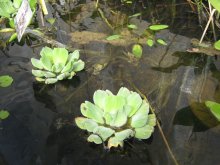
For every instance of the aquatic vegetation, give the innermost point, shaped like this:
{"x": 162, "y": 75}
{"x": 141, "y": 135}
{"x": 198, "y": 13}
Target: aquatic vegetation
{"x": 214, "y": 109}
{"x": 5, "y": 81}
{"x": 115, "y": 118}
{"x": 19, "y": 14}
{"x": 3, "y": 114}
{"x": 217, "y": 45}
{"x": 137, "y": 50}
{"x": 56, "y": 64}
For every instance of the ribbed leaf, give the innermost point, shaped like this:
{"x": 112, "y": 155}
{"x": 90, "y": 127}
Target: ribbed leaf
{"x": 74, "y": 56}
{"x": 6, "y": 8}
{"x": 103, "y": 132}
{"x": 95, "y": 139}
{"x": 37, "y": 63}
{"x": 114, "y": 103}
{"x": 144, "y": 132}
{"x": 51, "y": 81}
{"x": 99, "y": 98}
{"x": 40, "y": 79}
{"x": 78, "y": 66}
{"x": 125, "y": 134}
{"x": 38, "y": 73}
{"x": 67, "y": 68}
{"x": 93, "y": 112}
{"x": 49, "y": 74}
{"x": 114, "y": 142}
{"x": 46, "y": 51}
{"x": 60, "y": 56}
{"x": 57, "y": 67}
{"x": 86, "y": 124}
{"x": 135, "y": 101}
{"x": 123, "y": 92}
{"x": 151, "y": 120}
{"x": 119, "y": 119}
{"x": 46, "y": 61}
{"x": 139, "y": 119}
{"x": 63, "y": 76}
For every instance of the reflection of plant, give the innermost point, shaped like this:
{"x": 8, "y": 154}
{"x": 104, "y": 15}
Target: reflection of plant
{"x": 115, "y": 118}
{"x": 56, "y": 64}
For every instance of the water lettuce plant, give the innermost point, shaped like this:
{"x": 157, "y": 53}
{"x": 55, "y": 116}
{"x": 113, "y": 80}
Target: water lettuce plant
{"x": 115, "y": 118}
{"x": 56, "y": 64}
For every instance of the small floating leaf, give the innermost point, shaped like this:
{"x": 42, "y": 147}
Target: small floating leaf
{"x": 113, "y": 37}
{"x": 132, "y": 26}
{"x": 214, "y": 108}
{"x": 162, "y": 42}
{"x": 150, "y": 42}
{"x": 158, "y": 27}
{"x": 135, "y": 15}
{"x": 217, "y": 45}
{"x": 3, "y": 114}
{"x": 94, "y": 138}
{"x": 115, "y": 142}
{"x": 5, "y": 81}
{"x": 137, "y": 50}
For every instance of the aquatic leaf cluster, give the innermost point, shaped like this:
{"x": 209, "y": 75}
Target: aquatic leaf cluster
{"x": 115, "y": 118}
{"x": 56, "y": 64}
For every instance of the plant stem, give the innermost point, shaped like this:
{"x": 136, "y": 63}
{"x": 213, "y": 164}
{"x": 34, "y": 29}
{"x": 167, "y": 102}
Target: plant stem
{"x": 158, "y": 124}
{"x": 207, "y": 25}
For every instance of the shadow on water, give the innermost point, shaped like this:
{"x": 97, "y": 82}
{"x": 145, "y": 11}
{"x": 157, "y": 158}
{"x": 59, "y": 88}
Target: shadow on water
{"x": 41, "y": 130}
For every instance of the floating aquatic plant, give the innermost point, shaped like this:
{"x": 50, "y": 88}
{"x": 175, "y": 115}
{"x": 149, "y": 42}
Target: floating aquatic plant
{"x": 115, "y": 118}
{"x": 5, "y": 80}
{"x": 56, "y": 64}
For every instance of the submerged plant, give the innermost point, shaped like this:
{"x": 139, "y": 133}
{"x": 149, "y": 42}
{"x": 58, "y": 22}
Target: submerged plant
{"x": 115, "y": 118}
{"x": 56, "y": 64}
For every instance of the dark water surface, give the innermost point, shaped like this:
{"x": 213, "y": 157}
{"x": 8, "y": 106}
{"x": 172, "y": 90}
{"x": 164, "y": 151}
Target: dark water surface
{"x": 41, "y": 130}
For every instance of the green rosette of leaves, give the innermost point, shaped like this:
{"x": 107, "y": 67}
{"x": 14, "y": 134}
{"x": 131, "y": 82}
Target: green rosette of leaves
{"x": 115, "y": 118}
{"x": 56, "y": 64}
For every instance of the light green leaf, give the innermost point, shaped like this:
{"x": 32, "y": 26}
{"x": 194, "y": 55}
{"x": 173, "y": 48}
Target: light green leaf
{"x": 17, "y": 3}
{"x": 135, "y": 15}
{"x": 93, "y": 112}
{"x": 37, "y": 63}
{"x": 74, "y": 56}
{"x": 132, "y": 26}
{"x": 114, "y": 103}
{"x": 46, "y": 61}
{"x": 113, "y": 37}
{"x": 95, "y": 139}
{"x": 63, "y": 76}
{"x": 217, "y": 45}
{"x": 51, "y": 81}
{"x": 162, "y": 42}
{"x": 6, "y": 8}
{"x": 215, "y": 4}
{"x": 60, "y": 56}
{"x": 38, "y": 73}
{"x": 151, "y": 120}
{"x": 214, "y": 108}
{"x": 158, "y": 27}
{"x": 78, "y": 66}
{"x": 114, "y": 142}
{"x": 46, "y": 51}
{"x": 3, "y": 114}
{"x": 125, "y": 134}
{"x": 5, "y": 80}
{"x": 13, "y": 37}
{"x": 99, "y": 98}
{"x": 119, "y": 119}
{"x": 137, "y": 50}
{"x": 71, "y": 75}
{"x": 108, "y": 118}
{"x": 40, "y": 79}
{"x": 135, "y": 101}
{"x": 49, "y": 74}
{"x": 144, "y": 132}
{"x": 86, "y": 124}
{"x": 103, "y": 132}
{"x": 123, "y": 92}
{"x": 57, "y": 68}
{"x": 140, "y": 118}
{"x": 150, "y": 42}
